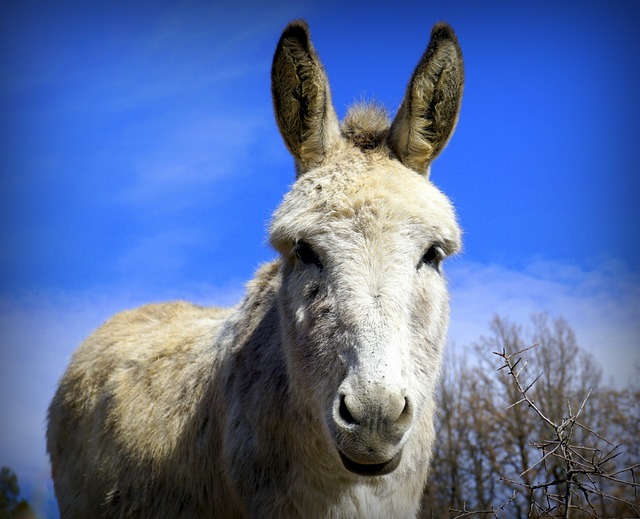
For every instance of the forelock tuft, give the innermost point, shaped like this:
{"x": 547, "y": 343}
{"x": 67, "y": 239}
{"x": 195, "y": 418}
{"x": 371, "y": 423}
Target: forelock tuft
{"x": 366, "y": 125}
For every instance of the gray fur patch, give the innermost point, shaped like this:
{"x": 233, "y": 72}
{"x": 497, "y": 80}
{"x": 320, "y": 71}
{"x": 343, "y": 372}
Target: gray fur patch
{"x": 366, "y": 125}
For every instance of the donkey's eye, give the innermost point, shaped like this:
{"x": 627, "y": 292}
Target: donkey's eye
{"x": 307, "y": 255}
{"x": 432, "y": 257}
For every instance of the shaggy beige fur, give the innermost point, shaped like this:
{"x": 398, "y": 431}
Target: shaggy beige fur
{"x": 314, "y": 396}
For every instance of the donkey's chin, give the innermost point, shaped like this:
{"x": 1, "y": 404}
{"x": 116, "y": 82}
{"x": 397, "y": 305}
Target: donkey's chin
{"x": 371, "y": 469}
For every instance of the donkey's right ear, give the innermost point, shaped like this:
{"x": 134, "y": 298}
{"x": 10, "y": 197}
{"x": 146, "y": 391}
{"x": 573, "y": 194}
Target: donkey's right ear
{"x": 302, "y": 99}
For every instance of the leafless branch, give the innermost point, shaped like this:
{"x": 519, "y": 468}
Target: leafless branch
{"x": 581, "y": 473}
{"x": 534, "y": 436}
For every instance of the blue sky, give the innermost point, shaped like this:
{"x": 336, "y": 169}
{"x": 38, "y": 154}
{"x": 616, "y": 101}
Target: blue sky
{"x": 140, "y": 162}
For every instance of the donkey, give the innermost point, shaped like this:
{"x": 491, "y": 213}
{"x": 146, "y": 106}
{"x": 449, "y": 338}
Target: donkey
{"x": 314, "y": 396}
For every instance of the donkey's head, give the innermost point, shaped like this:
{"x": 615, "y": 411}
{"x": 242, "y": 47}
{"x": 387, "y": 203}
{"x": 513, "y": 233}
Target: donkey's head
{"x": 363, "y": 234}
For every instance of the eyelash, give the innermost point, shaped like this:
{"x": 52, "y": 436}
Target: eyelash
{"x": 432, "y": 257}
{"x": 307, "y": 255}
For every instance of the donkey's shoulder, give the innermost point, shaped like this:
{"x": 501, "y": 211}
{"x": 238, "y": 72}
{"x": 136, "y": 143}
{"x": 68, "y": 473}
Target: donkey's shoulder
{"x": 164, "y": 321}
{"x": 165, "y": 314}
{"x": 151, "y": 332}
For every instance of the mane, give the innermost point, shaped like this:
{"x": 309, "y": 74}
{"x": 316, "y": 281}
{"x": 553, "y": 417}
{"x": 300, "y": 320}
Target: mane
{"x": 366, "y": 125}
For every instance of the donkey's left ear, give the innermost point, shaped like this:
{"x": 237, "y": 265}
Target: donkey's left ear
{"x": 302, "y": 99}
{"x": 429, "y": 112}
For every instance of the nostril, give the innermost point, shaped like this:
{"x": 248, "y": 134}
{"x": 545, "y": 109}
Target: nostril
{"x": 344, "y": 412}
{"x": 406, "y": 415}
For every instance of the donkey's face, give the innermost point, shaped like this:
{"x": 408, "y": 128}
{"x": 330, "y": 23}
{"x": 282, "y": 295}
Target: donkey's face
{"x": 363, "y": 234}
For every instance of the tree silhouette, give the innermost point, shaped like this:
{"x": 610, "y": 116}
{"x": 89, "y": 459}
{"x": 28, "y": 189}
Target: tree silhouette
{"x": 11, "y": 505}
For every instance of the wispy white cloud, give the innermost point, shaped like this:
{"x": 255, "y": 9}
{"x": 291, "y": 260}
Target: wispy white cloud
{"x": 139, "y": 53}
{"x": 190, "y": 155}
{"x": 601, "y": 304}
{"x": 161, "y": 253}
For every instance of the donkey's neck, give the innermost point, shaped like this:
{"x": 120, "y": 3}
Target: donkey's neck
{"x": 256, "y": 375}
{"x": 255, "y": 320}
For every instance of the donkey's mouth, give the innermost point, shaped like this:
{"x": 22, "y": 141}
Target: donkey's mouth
{"x": 371, "y": 469}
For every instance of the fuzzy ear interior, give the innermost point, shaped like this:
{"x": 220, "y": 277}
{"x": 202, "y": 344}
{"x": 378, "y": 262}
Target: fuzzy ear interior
{"x": 302, "y": 99}
{"x": 429, "y": 112}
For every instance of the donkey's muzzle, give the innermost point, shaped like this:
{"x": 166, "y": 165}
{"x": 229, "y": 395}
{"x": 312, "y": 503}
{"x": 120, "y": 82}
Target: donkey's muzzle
{"x": 369, "y": 427}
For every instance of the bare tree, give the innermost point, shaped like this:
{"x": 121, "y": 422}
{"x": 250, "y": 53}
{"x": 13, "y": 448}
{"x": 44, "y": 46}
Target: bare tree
{"x": 539, "y": 437}
{"x": 579, "y": 472}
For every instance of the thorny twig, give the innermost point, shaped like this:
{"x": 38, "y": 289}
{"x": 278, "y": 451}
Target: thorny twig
{"x": 492, "y": 511}
{"x": 582, "y": 475}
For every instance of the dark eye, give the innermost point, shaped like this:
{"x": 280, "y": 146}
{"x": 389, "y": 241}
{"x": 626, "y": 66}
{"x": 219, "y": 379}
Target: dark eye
{"x": 432, "y": 257}
{"x": 307, "y": 255}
